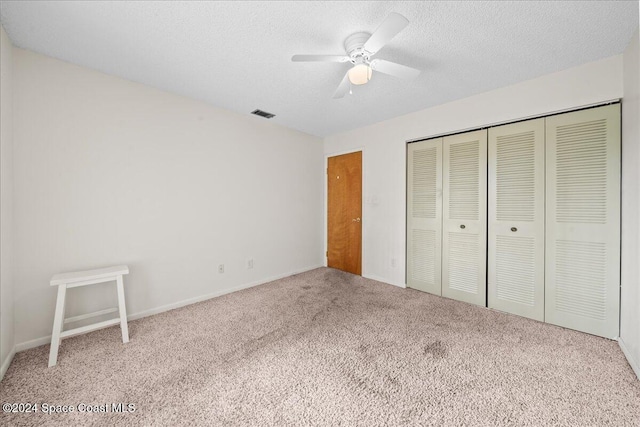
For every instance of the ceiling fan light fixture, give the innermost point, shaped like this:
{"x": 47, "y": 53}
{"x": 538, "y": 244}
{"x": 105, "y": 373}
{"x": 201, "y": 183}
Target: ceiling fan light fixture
{"x": 359, "y": 48}
{"x": 360, "y": 74}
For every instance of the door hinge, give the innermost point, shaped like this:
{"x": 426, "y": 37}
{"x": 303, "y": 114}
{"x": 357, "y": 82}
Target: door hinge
{"x": 326, "y": 254}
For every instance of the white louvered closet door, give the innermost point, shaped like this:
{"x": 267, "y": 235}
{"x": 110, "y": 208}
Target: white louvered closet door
{"x": 583, "y": 220}
{"x": 516, "y": 219}
{"x": 464, "y": 234}
{"x": 424, "y": 216}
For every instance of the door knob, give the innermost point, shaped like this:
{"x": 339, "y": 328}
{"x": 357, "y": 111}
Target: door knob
{"x": 356, "y": 219}
{"x": 514, "y": 229}
{"x": 462, "y": 226}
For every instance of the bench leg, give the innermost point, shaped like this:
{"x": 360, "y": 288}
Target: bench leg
{"x": 58, "y": 323}
{"x": 64, "y": 314}
{"x": 123, "y": 311}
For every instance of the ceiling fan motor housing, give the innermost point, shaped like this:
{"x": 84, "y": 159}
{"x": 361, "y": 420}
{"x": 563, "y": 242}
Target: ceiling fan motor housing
{"x": 354, "y": 45}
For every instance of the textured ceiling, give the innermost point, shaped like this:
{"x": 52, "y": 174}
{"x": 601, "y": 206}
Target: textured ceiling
{"x": 236, "y": 55}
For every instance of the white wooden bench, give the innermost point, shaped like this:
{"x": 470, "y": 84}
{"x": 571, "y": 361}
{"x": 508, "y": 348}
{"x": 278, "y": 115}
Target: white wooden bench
{"x": 83, "y": 278}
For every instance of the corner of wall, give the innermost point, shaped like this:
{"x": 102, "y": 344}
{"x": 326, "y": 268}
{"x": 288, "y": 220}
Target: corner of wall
{"x": 7, "y": 337}
{"x": 630, "y": 224}
{"x": 6, "y": 362}
{"x": 630, "y": 358}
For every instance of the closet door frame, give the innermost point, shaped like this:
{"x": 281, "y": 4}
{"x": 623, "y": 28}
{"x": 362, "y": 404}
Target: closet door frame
{"x": 426, "y": 223}
{"x": 569, "y": 233}
{"x": 462, "y": 227}
{"x": 583, "y": 242}
{"x": 516, "y": 238}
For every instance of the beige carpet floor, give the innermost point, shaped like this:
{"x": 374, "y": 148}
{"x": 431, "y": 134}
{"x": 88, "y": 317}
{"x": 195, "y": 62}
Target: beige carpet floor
{"x": 328, "y": 348}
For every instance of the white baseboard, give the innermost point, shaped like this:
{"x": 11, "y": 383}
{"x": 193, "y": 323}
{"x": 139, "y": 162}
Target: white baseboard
{"x": 377, "y": 278}
{"x": 190, "y": 301}
{"x": 635, "y": 365}
{"x": 33, "y": 343}
{"x": 6, "y": 362}
{"x": 157, "y": 310}
{"x": 380, "y": 279}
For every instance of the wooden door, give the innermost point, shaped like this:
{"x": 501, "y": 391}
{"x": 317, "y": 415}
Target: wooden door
{"x": 344, "y": 212}
{"x": 583, "y": 220}
{"x": 464, "y": 225}
{"x": 516, "y": 218}
{"x": 424, "y": 216}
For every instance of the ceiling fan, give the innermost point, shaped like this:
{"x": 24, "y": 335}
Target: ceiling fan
{"x": 360, "y": 47}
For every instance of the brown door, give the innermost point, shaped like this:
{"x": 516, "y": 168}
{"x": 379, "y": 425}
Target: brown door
{"x": 344, "y": 228}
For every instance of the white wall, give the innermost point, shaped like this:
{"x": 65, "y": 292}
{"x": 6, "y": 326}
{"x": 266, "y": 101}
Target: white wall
{"x": 6, "y": 204}
{"x": 630, "y": 251}
{"x": 384, "y": 144}
{"x": 108, "y": 171}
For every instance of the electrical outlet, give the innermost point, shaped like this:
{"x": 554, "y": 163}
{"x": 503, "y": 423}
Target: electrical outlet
{"x": 250, "y": 263}
{"x": 221, "y": 268}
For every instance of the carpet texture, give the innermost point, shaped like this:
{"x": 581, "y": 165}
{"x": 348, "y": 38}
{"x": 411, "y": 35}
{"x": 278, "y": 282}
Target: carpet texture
{"x": 329, "y": 348}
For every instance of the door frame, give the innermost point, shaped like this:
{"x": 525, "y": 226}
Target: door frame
{"x": 326, "y": 206}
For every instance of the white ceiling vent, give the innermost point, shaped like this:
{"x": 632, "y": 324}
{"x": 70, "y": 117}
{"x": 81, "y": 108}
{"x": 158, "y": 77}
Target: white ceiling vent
{"x": 263, "y": 114}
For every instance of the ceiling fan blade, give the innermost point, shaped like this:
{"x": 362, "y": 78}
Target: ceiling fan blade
{"x": 319, "y": 58}
{"x": 393, "y": 69}
{"x": 343, "y": 88}
{"x": 385, "y": 32}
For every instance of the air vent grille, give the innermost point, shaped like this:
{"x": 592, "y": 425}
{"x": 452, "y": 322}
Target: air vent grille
{"x": 425, "y": 183}
{"x": 581, "y": 278}
{"x": 464, "y": 163}
{"x": 581, "y": 172}
{"x": 516, "y": 177}
{"x": 263, "y": 114}
{"x": 515, "y": 267}
{"x": 463, "y": 262}
{"x": 424, "y": 256}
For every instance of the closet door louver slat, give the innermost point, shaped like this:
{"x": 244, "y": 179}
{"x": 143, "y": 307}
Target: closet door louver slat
{"x": 464, "y": 217}
{"x": 516, "y": 219}
{"x": 424, "y": 216}
{"x": 583, "y": 220}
